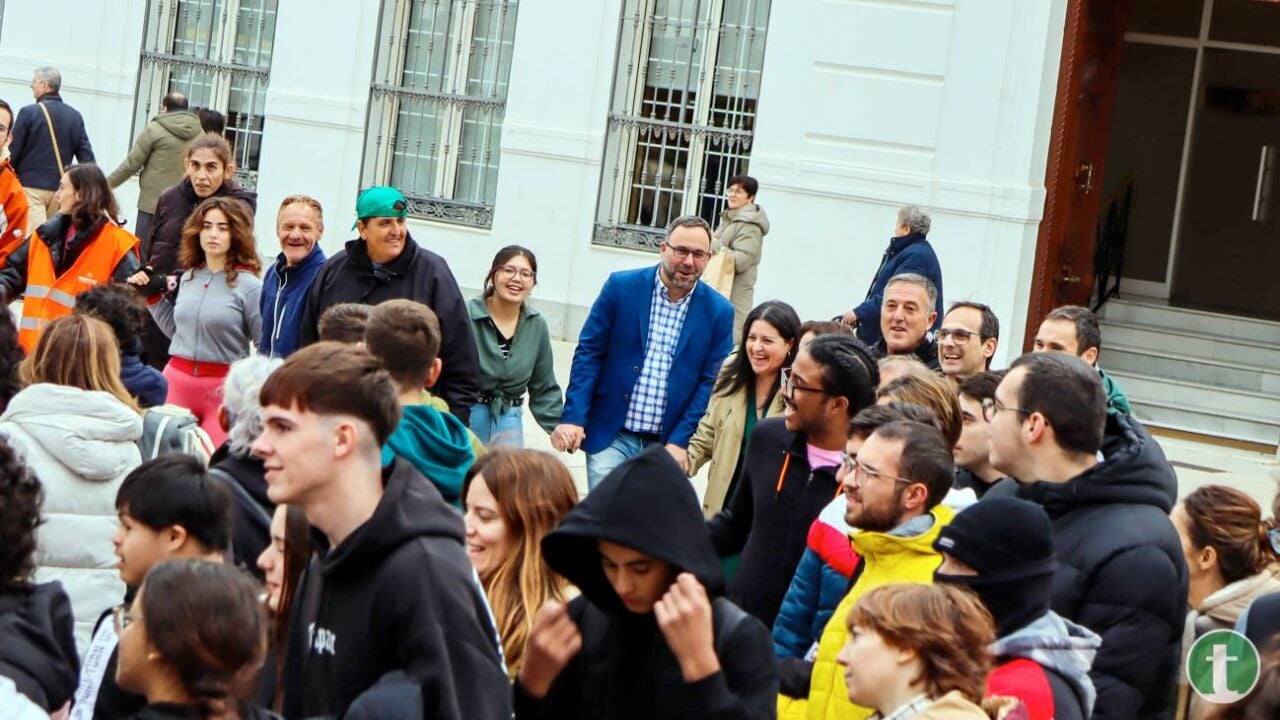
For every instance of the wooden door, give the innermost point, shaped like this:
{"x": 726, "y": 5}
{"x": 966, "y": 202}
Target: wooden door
{"x": 1087, "y": 73}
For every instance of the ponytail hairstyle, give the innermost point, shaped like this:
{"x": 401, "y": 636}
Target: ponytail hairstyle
{"x": 1230, "y": 522}
{"x": 502, "y": 258}
{"x": 534, "y": 492}
{"x": 849, "y": 369}
{"x": 242, "y": 255}
{"x": 206, "y": 622}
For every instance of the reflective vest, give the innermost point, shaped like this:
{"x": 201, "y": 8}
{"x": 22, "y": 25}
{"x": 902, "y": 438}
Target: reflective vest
{"x": 13, "y": 219}
{"x": 51, "y": 296}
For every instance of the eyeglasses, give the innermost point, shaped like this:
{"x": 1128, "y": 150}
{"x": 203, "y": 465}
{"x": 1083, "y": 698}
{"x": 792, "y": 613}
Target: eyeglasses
{"x": 859, "y": 472}
{"x": 958, "y": 336}
{"x": 682, "y": 252}
{"x": 506, "y": 272}
{"x": 991, "y": 407}
{"x": 121, "y": 618}
{"x": 789, "y": 385}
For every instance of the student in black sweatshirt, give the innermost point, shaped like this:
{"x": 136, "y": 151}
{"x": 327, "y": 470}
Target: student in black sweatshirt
{"x": 650, "y": 636}
{"x": 392, "y": 588}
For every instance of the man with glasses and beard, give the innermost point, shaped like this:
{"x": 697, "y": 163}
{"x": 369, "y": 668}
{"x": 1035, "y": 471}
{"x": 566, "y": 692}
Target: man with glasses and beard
{"x": 647, "y": 357}
{"x": 893, "y": 487}
{"x": 789, "y": 473}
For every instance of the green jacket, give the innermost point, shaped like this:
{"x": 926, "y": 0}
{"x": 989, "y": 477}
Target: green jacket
{"x": 158, "y": 154}
{"x": 530, "y": 368}
{"x": 1116, "y": 399}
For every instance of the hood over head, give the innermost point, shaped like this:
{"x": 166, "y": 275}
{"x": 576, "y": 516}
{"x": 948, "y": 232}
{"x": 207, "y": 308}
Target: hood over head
{"x": 91, "y": 432}
{"x": 436, "y": 444}
{"x": 181, "y": 124}
{"x": 646, "y": 504}
{"x": 1133, "y": 470}
{"x": 410, "y": 508}
{"x": 39, "y": 657}
{"x": 1059, "y": 645}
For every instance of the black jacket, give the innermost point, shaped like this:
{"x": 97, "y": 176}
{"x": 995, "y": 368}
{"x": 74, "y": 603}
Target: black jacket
{"x": 625, "y": 668}
{"x": 172, "y": 210}
{"x": 252, "y": 510}
{"x": 1120, "y": 569}
{"x": 926, "y": 352}
{"x": 13, "y": 279}
{"x": 399, "y": 593}
{"x": 417, "y": 274}
{"x": 173, "y": 711}
{"x": 37, "y": 643}
{"x": 32, "y": 149}
{"x": 770, "y": 527}
{"x": 1004, "y": 487}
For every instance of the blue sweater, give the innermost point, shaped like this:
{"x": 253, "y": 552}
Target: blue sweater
{"x": 143, "y": 381}
{"x": 907, "y": 254}
{"x": 284, "y": 295}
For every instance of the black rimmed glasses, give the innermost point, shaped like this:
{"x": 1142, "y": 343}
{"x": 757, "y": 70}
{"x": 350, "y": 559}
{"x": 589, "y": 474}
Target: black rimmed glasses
{"x": 121, "y": 618}
{"x": 681, "y": 252}
{"x": 789, "y": 384}
{"x": 992, "y": 407}
{"x": 957, "y": 336}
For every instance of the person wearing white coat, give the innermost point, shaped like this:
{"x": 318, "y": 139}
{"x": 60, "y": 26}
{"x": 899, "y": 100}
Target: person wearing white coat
{"x": 80, "y": 444}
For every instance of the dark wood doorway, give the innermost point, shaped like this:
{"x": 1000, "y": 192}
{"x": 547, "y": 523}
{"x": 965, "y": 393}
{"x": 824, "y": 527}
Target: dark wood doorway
{"x": 1091, "y": 44}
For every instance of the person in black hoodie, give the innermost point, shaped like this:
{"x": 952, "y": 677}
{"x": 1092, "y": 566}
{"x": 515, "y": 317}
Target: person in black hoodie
{"x": 37, "y": 645}
{"x": 1120, "y": 567}
{"x": 385, "y": 263}
{"x": 789, "y": 474}
{"x": 392, "y": 588}
{"x": 650, "y": 636}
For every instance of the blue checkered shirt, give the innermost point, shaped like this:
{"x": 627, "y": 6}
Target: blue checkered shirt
{"x": 649, "y": 397}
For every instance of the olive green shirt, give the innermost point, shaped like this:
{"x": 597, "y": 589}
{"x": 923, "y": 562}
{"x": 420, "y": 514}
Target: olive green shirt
{"x": 529, "y": 369}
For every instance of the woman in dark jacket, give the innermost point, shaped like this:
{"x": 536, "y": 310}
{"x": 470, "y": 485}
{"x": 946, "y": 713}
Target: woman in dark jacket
{"x": 37, "y": 645}
{"x": 650, "y": 636}
{"x": 192, "y": 641}
{"x": 209, "y": 168}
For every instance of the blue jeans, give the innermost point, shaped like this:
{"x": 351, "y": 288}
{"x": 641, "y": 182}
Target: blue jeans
{"x": 624, "y": 447}
{"x": 506, "y": 430}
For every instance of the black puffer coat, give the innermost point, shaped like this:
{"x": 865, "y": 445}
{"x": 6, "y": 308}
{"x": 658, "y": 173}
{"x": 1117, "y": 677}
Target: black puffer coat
{"x": 37, "y": 645}
{"x": 1120, "y": 569}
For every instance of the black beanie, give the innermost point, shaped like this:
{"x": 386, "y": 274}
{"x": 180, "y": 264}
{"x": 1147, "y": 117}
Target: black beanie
{"x": 1009, "y": 542}
{"x": 998, "y": 535}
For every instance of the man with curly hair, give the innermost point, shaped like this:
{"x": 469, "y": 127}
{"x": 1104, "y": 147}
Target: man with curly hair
{"x": 37, "y": 640}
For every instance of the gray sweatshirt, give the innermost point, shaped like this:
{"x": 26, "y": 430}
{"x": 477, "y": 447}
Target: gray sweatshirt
{"x": 213, "y": 322}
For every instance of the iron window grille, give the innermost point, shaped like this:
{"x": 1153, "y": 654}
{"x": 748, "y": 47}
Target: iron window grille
{"x": 436, "y": 105}
{"x": 683, "y": 112}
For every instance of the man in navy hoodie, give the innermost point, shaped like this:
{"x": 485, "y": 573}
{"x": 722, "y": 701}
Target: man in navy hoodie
{"x": 299, "y": 225}
{"x": 391, "y": 587}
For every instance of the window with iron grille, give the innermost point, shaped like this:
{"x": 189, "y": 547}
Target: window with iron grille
{"x": 436, "y": 105}
{"x": 218, "y": 54}
{"x": 683, "y": 114}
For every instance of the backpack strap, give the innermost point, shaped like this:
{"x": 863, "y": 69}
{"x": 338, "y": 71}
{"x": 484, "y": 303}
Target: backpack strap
{"x": 165, "y": 419}
{"x": 725, "y": 619}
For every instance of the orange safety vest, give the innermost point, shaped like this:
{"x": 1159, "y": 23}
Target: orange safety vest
{"x": 49, "y": 297}
{"x": 13, "y": 221}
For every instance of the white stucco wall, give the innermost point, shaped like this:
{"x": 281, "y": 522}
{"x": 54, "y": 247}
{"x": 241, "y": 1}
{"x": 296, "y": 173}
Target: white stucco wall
{"x": 865, "y": 106}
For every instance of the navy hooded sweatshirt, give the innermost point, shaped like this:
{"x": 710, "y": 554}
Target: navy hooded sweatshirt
{"x": 284, "y": 294}
{"x": 625, "y": 668}
{"x": 397, "y": 594}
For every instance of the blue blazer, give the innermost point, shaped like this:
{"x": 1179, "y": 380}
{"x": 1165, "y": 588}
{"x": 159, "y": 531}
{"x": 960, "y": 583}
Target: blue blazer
{"x": 610, "y": 353}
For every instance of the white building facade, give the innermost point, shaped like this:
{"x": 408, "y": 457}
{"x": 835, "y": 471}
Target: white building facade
{"x": 575, "y": 127}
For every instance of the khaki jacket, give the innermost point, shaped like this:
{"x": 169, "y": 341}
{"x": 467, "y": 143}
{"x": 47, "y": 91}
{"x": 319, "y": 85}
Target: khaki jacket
{"x": 741, "y": 233}
{"x": 158, "y": 155}
{"x": 718, "y": 439}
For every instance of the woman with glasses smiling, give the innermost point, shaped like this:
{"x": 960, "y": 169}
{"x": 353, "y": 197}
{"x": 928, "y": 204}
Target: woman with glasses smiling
{"x": 514, "y": 346}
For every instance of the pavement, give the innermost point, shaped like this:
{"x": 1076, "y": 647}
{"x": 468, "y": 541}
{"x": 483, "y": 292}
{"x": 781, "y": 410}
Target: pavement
{"x": 1196, "y": 463}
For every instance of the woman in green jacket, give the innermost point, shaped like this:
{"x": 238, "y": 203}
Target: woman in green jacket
{"x": 515, "y": 353}
{"x": 745, "y": 393}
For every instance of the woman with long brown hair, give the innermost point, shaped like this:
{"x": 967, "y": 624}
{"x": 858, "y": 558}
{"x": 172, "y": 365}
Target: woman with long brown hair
{"x": 76, "y": 427}
{"x": 282, "y": 563}
{"x": 214, "y": 312}
{"x": 513, "y": 498}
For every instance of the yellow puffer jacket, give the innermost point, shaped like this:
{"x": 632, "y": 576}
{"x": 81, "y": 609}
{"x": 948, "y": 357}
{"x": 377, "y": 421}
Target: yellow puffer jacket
{"x": 886, "y": 559}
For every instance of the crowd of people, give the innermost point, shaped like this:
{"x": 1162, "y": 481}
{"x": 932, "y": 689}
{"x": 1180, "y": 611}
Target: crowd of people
{"x": 236, "y": 489}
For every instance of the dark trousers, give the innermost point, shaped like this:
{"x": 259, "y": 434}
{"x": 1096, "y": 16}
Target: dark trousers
{"x": 142, "y": 230}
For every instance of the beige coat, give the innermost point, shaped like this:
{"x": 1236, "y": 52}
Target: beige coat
{"x": 719, "y": 440}
{"x": 741, "y": 233}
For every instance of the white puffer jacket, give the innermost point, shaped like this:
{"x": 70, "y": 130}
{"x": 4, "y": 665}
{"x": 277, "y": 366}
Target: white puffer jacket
{"x": 80, "y": 444}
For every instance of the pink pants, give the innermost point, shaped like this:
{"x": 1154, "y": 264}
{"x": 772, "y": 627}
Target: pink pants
{"x": 199, "y": 394}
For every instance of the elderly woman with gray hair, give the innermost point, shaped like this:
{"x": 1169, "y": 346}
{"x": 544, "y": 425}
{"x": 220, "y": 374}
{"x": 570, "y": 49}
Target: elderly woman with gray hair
{"x": 234, "y": 466}
{"x": 909, "y": 252}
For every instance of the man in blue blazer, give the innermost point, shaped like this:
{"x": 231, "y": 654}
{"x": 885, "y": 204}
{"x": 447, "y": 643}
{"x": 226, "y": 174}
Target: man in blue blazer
{"x": 647, "y": 357}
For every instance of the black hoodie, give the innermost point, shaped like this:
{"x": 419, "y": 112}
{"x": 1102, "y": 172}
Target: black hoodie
{"x": 625, "y": 668}
{"x": 37, "y": 643}
{"x": 1121, "y": 571}
{"x": 397, "y": 594}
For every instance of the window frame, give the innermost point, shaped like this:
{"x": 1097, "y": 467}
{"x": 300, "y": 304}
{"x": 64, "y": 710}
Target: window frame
{"x": 626, "y": 123}
{"x": 160, "y": 31}
{"x": 387, "y": 92}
